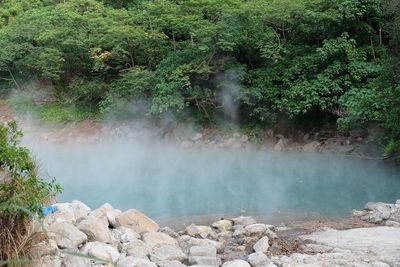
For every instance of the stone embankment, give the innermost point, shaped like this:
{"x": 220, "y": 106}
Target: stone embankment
{"x": 79, "y": 236}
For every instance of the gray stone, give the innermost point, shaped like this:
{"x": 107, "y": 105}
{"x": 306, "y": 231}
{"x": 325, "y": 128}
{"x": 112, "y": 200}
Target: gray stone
{"x": 205, "y": 242}
{"x": 67, "y": 235}
{"x": 256, "y": 229}
{"x": 205, "y": 251}
{"x": 223, "y": 225}
{"x": 101, "y": 251}
{"x": 173, "y": 264}
{"x": 239, "y": 231}
{"x": 64, "y": 213}
{"x": 392, "y": 223}
{"x": 258, "y": 259}
{"x": 137, "y": 248}
{"x": 359, "y": 245}
{"x": 45, "y": 248}
{"x": 107, "y": 214}
{"x": 311, "y": 147}
{"x": 202, "y": 260}
{"x": 95, "y": 230}
{"x": 163, "y": 253}
{"x": 75, "y": 261}
{"x": 124, "y": 235}
{"x": 80, "y": 210}
{"x": 359, "y": 213}
{"x": 153, "y": 239}
{"x": 244, "y": 220}
{"x": 280, "y": 145}
{"x": 271, "y": 234}
{"x": 316, "y": 248}
{"x": 202, "y": 231}
{"x": 262, "y": 245}
{"x": 48, "y": 261}
{"x": 236, "y": 263}
{"x": 372, "y": 206}
{"x": 130, "y": 261}
{"x": 395, "y": 215}
{"x": 376, "y": 216}
{"x": 136, "y": 221}
{"x": 169, "y": 231}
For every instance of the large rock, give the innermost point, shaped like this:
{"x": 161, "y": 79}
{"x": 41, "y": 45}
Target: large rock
{"x": 378, "y": 212}
{"x": 75, "y": 261}
{"x": 135, "y": 262}
{"x": 136, "y": 221}
{"x": 95, "y": 230}
{"x": 101, "y": 251}
{"x": 262, "y": 245}
{"x": 256, "y": 229}
{"x": 124, "y": 235}
{"x": 204, "y": 251}
{"x": 45, "y": 248}
{"x": 153, "y": 239}
{"x": 163, "y": 253}
{"x": 107, "y": 214}
{"x": 312, "y": 147}
{"x": 395, "y": 215}
{"x": 236, "y": 263}
{"x": 67, "y": 235}
{"x": 205, "y": 242}
{"x": 80, "y": 210}
{"x": 202, "y": 231}
{"x": 64, "y": 213}
{"x": 48, "y": 261}
{"x": 223, "y": 225}
{"x": 379, "y": 244}
{"x": 239, "y": 231}
{"x": 244, "y": 220}
{"x": 137, "y": 248}
{"x": 258, "y": 259}
{"x": 280, "y": 145}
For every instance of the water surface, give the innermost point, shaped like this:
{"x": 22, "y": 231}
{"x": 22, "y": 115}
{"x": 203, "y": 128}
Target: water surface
{"x": 168, "y": 181}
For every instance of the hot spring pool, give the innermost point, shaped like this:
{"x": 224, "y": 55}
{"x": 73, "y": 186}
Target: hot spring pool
{"x": 167, "y": 181}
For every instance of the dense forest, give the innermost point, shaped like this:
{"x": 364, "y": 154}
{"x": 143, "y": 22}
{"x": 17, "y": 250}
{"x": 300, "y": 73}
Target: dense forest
{"x": 248, "y": 61}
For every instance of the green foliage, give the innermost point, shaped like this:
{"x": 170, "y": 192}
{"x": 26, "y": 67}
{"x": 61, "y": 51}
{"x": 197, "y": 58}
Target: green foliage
{"x": 62, "y": 114}
{"x": 296, "y": 58}
{"x": 136, "y": 83}
{"x": 53, "y": 111}
{"x": 20, "y": 185}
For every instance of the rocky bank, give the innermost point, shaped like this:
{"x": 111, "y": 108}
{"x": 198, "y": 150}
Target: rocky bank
{"x": 79, "y": 236}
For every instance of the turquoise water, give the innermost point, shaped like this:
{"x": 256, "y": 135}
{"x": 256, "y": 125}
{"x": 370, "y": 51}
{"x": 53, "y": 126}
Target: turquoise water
{"x": 164, "y": 180}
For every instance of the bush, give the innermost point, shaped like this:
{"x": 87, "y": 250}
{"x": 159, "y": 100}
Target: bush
{"x": 22, "y": 193}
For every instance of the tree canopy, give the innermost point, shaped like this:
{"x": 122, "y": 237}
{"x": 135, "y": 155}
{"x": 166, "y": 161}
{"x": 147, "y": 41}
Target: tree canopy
{"x": 337, "y": 58}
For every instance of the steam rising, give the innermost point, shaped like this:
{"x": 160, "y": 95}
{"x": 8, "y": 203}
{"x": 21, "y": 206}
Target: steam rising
{"x": 140, "y": 166}
{"x": 165, "y": 180}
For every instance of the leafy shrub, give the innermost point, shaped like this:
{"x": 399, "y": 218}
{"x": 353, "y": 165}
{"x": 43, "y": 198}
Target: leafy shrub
{"x": 134, "y": 85}
{"x": 61, "y": 113}
{"x": 22, "y": 193}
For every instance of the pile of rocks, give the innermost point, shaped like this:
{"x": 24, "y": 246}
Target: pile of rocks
{"x": 109, "y": 236}
{"x": 380, "y": 213}
{"x": 78, "y": 236}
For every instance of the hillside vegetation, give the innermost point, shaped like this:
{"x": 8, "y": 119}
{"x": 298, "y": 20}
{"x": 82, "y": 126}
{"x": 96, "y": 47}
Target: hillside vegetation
{"x": 251, "y": 62}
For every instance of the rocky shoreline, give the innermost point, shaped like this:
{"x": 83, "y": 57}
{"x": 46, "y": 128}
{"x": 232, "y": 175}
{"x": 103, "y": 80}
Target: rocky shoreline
{"x": 79, "y": 236}
{"x": 358, "y": 143}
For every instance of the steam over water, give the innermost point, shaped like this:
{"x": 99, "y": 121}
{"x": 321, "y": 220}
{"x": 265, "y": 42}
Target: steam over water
{"x": 169, "y": 181}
